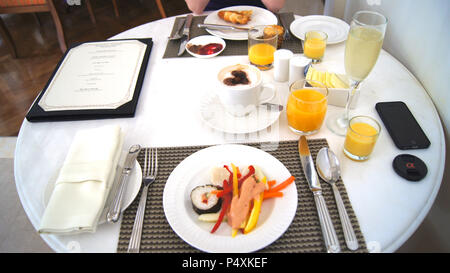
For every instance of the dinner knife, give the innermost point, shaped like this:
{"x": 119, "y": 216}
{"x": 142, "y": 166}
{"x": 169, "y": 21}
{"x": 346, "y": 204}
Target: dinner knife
{"x": 287, "y": 34}
{"x": 186, "y": 35}
{"x": 222, "y": 27}
{"x": 116, "y": 206}
{"x": 328, "y": 232}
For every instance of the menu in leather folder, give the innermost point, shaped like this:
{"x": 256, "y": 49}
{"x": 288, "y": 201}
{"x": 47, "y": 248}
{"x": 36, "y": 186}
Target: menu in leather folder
{"x": 94, "y": 80}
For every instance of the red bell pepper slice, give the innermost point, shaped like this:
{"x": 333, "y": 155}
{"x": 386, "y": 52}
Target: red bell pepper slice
{"x": 226, "y": 203}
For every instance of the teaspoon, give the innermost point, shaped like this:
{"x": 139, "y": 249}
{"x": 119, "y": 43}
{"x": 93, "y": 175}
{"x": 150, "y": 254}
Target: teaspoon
{"x": 328, "y": 168}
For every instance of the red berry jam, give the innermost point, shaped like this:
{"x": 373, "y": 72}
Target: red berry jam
{"x": 205, "y": 49}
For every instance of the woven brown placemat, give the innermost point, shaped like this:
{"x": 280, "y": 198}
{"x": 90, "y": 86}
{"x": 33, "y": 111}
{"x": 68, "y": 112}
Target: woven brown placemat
{"x": 232, "y": 48}
{"x": 304, "y": 235}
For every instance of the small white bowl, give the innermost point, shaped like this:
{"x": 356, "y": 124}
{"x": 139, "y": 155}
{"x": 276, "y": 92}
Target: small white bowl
{"x": 204, "y": 40}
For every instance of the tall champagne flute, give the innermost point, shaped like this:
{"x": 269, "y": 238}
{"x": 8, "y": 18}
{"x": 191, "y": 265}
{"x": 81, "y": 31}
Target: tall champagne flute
{"x": 362, "y": 48}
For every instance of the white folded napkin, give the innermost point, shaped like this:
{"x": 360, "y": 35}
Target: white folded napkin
{"x": 84, "y": 182}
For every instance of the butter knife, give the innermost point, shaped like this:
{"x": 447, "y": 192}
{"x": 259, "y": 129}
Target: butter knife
{"x": 221, "y": 27}
{"x": 116, "y": 206}
{"x": 186, "y": 35}
{"x": 287, "y": 34}
{"x": 328, "y": 232}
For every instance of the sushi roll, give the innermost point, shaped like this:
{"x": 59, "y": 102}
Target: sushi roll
{"x": 203, "y": 201}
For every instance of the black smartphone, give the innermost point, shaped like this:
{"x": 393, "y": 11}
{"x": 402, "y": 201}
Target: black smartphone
{"x": 403, "y": 128}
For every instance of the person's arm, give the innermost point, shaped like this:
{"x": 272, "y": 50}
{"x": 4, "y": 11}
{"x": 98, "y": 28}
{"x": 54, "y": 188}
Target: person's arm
{"x": 273, "y": 5}
{"x": 197, "y": 6}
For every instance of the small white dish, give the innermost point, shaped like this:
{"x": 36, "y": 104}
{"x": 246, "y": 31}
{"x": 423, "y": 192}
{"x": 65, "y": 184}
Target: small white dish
{"x": 204, "y": 40}
{"x": 213, "y": 113}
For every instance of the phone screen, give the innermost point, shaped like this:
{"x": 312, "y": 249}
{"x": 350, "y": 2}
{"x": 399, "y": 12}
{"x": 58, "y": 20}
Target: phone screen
{"x": 402, "y": 126}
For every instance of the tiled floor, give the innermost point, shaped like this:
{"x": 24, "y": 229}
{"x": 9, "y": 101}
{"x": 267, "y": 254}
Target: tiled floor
{"x": 16, "y": 232}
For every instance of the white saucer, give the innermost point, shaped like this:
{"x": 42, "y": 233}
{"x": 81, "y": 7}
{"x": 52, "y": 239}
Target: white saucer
{"x": 336, "y": 29}
{"x": 213, "y": 113}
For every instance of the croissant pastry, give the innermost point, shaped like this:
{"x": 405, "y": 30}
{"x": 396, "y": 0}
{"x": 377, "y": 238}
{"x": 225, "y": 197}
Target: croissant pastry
{"x": 235, "y": 17}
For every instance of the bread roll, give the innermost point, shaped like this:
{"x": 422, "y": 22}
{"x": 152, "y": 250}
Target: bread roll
{"x": 271, "y": 30}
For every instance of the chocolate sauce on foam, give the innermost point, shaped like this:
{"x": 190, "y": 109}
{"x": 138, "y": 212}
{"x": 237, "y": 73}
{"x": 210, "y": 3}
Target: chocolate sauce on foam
{"x": 237, "y": 77}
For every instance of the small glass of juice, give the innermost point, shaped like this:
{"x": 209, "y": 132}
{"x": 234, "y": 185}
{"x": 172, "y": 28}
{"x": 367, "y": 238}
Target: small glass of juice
{"x": 362, "y": 134}
{"x": 262, "y": 44}
{"x": 306, "y": 106}
{"x": 314, "y": 45}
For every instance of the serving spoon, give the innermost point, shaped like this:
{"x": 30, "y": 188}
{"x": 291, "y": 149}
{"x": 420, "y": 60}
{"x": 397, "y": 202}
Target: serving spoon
{"x": 328, "y": 168}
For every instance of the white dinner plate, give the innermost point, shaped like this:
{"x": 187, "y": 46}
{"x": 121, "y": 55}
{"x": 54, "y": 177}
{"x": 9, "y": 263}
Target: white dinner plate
{"x": 133, "y": 186}
{"x": 213, "y": 113}
{"x": 204, "y": 40}
{"x": 276, "y": 213}
{"x": 259, "y": 16}
{"x": 336, "y": 29}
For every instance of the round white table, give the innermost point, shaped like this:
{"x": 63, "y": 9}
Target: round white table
{"x": 389, "y": 208}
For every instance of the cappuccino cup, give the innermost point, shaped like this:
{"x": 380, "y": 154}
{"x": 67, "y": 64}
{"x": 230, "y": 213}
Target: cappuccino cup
{"x": 240, "y": 89}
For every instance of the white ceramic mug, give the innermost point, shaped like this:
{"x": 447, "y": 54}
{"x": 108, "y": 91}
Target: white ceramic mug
{"x": 241, "y": 99}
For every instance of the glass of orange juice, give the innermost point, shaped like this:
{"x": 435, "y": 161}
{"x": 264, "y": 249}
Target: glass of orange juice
{"x": 262, "y": 44}
{"x": 314, "y": 45}
{"x": 362, "y": 134}
{"x": 306, "y": 106}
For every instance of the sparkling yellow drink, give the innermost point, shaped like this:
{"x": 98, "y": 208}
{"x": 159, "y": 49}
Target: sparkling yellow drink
{"x": 361, "y": 51}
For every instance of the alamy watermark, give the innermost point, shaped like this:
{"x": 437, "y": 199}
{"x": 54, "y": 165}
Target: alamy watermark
{"x": 374, "y": 2}
{"x": 73, "y": 2}
{"x": 73, "y": 247}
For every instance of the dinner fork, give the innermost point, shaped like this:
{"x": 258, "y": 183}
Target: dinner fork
{"x": 178, "y": 33}
{"x": 149, "y": 173}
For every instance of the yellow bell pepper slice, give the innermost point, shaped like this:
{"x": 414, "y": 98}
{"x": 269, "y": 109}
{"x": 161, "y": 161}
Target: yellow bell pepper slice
{"x": 254, "y": 215}
{"x": 234, "y": 231}
{"x": 235, "y": 180}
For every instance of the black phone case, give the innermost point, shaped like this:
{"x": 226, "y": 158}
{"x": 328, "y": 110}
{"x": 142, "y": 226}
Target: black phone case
{"x": 423, "y": 141}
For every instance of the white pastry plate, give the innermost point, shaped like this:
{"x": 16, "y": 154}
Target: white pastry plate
{"x": 259, "y": 16}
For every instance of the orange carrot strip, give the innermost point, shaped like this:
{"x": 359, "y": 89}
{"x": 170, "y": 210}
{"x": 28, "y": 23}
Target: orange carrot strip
{"x": 283, "y": 185}
{"x": 216, "y": 192}
{"x": 271, "y": 183}
{"x": 269, "y": 194}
